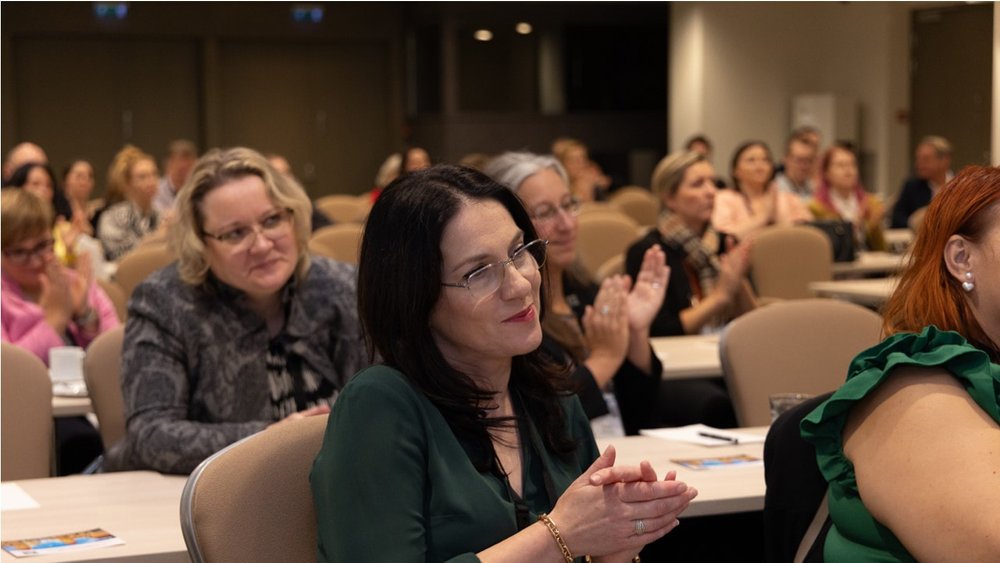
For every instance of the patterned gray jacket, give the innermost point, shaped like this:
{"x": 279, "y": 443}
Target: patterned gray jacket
{"x": 194, "y": 377}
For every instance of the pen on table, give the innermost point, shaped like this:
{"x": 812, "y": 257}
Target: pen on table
{"x": 729, "y": 439}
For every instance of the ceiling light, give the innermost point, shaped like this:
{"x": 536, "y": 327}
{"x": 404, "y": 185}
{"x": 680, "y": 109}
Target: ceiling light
{"x": 524, "y": 28}
{"x": 483, "y": 35}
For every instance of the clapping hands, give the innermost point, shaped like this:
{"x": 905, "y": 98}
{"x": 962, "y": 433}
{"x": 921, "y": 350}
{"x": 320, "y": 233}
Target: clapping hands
{"x": 599, "y": 511}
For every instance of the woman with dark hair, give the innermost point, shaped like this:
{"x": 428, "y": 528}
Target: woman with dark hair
{"x": 40, "y": 180}
{"x": 78, "y": 185}
{"x": 915, "y": 428}
{"x": 755, "y": 202}
{"x": 603, "y": 330}
{"x": 456, "y": 447}
{"x": 840, "y": 196}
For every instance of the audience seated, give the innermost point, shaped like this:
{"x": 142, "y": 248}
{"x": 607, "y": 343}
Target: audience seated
{"x": 463, "y": 445}
{"x": 244, "y": 331}
{"x": 932, "y": 167}
{"x": 78, "y": 185}
{"x": 22, "y": 154}
{"x": 414, "y": 159}
{"x": 602, "y": 331}
{"x": 909, "y": 442}
{"x": 387, "y": 172}
{"x": 708, "y": 283}
{"x": 129, "y": 217}
{"x": 755, "y": 201}
{"x": 71, "y": 237}
{"x": 708, "y": 279}
{"x": 45, "y": 305}
{"x": 586, "y": 179}
{"x": 181, "y": 156}
{"x": 841, "y": 196}
{"x": 796, "y": 176}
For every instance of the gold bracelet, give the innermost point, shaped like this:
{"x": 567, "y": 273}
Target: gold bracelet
{"x": 567, "y": 554}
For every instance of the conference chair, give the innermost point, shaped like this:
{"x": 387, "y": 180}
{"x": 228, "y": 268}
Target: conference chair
{"x": 784, "y": 260}
{"x": 800, "y": 346}
{"x": 345, "y": 208}
{"x": 588, "y": 207}
{"x": 341, "y": 242}
{"x": 252, "y": 501}
{"x": 137, "y": 265}
{"x": 611, "y": 267}
{"x": 916, "y": 219}
{"x": 638, "y": 203}
{"x": 601, "y": 236}
{"x": 26, "y": 409}
{"x": 796, "y": 518}
{"x": 117, "y": 296}
{"x": 102, "y": 373}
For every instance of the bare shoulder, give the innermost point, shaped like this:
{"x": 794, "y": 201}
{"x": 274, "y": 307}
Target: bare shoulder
{"x": 921, "y": 442}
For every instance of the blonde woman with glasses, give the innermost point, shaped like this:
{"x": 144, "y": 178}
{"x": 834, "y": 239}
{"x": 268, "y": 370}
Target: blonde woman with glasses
{"x": 244, "y": 330}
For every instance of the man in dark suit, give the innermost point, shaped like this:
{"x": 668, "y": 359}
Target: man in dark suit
{"x": 932, "y": 164}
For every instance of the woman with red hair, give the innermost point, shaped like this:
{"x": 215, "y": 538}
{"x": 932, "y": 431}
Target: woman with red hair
{"x": 840, "y": 196}
{"x": 910, "y": 444}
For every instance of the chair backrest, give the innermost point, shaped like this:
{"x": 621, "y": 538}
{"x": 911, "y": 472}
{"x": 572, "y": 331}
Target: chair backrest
{"x": 638, "y": 203}
{"x": 799, "y": 346}
{"x": 612, "y": 266}
{"x": 252, "y": 501}
{"x": 136, "y": 266}
{"x": 345, "y": 208}
{"x": 117, "y": 296}
{"x": 102, "y": 372}
{"x": 602, "y": 236}
{"x": 26, "y": 415}
{"x": 916, "y": 219}
{"x": 784, "y": 260}
{"x": 588, "y": 207}
{"x": 340, "y": 242}
{"x": 795, "y": 487}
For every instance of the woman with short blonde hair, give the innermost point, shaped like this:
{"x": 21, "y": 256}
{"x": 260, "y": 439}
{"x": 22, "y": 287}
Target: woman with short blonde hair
{"x": 245, "y": 330}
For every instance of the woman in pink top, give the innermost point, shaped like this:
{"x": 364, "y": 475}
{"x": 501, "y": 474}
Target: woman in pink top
{"x": 755, "y": 201}
{"x": 44, "y": 304}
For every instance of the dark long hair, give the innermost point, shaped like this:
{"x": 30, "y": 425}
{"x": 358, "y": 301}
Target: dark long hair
{"x": 59, "y": 202}
{"x": 399, "y": 282}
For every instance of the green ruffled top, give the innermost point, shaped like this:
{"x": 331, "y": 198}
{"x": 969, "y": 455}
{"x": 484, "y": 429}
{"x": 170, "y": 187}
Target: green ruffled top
{"x": 855, "y": 534}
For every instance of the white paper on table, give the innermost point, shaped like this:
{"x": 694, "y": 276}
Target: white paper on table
{"x": 13, "y": 497}
{"x": 691, "y": 434}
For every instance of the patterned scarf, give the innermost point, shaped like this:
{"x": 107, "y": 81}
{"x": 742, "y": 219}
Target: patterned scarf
{"x": 700, "y": 255}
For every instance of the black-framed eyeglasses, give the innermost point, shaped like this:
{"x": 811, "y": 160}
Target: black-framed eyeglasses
{"x": 484, "y": 281}
{"x": 273, "y": 226}
{"x": 547, "y": 212}
{"x": 25, "y": 255}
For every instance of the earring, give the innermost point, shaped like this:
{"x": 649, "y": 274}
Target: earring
{"x": 968, "y": 285}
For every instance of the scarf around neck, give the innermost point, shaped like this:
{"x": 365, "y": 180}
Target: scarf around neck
{"x": 700, "y": 256}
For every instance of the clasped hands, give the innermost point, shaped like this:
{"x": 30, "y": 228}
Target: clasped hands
{"x": 598, "y": 512}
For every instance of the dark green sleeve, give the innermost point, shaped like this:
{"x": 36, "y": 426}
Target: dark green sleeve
{"x": 369, "y": 477}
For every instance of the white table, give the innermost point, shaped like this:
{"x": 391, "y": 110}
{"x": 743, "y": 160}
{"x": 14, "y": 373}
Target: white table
{"x": 140, "y": 507}
{"x": 721, "y": 490}
{"x": 688, "y": 356}
{"x": 898, "y": 238}
{"x": 871, "y": 263}
{"x": 868, "y": 292}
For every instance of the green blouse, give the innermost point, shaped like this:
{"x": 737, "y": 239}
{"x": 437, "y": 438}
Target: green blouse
{"x": 855, "y": 534}
{"x": 393, "y": 483}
